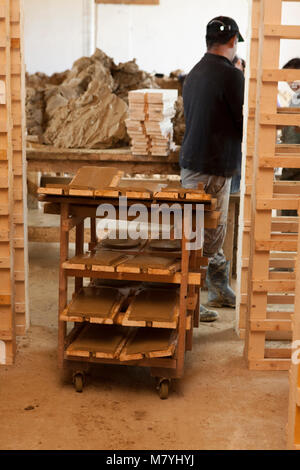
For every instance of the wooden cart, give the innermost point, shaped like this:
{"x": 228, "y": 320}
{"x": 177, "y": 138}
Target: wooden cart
{"x": 73, "y": 211}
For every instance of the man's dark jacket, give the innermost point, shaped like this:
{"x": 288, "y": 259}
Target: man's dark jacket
{"x": 213, "y": 96}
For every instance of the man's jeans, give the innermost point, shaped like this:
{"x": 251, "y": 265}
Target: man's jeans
{"x": 219, "y": 188}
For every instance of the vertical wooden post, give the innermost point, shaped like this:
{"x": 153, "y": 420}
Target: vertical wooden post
{"x": 63, "y": 281}
{"x": 79, "y": 247}
{"x": 185, "y": 255}
{"x": 247, "y": 169}
{"x": 19, "y": 167}
{"x": 7, "y": 320}
{"x": 93, "y": 234}
{"x": 229, "y": 240}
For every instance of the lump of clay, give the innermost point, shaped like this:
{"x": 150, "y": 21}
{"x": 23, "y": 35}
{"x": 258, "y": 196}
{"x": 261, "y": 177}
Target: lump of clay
{"x": 86, "y": 107}
{"x": 179, "y": 122}
{"x": 128, "y": 76}
{"x": 95, "y": 119}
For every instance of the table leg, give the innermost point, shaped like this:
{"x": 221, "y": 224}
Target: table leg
{"x": 63, "y": 282}
{"x": 79, "y": 248}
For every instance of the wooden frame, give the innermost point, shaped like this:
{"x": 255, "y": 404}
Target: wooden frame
{"x": 13, "y": 242}
{"x": 7, "y": 320}
{"x": 266, "y": 233}
{"x": 19, "y": 169}
{"x": 294, "y": 391}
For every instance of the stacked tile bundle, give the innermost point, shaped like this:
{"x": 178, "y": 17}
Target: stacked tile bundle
{"x": 150, "y": 121}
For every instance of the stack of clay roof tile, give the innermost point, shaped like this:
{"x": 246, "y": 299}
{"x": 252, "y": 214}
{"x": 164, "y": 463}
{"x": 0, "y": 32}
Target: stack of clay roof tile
{"x": 150, "y": 121}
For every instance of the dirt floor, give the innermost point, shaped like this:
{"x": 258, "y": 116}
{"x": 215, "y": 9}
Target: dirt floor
{"x": 218, "y": 405}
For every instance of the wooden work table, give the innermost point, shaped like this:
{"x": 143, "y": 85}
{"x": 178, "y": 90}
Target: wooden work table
{"x": 45, "y": 158}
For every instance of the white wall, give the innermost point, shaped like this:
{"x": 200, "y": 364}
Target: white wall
{"x": 290, "y": 48}
{"x": 165, "y": 37}
{"x": 162, "y": 38}
{"x": 57, "y": 32}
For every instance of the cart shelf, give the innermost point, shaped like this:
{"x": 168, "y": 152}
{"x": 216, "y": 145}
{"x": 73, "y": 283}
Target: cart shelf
{"x": 193, "y": 278}
{"x": 122, "y": 344}
{"x": 107, "y": 306}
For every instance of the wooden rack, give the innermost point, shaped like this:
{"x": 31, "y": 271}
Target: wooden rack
{"x": 7, "y": 324}
{"x": 13, "y": 264}
{"x": 271, "y": 239}
{"x": 73, "y": 211}
{"x": 19, "y": 169}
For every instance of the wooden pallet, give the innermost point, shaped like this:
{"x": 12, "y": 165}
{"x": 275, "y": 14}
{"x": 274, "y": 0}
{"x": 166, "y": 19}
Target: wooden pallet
{"x": 7, "y": 320}
{"x": 265, "y": 286}
{"x": 20, "y": 266}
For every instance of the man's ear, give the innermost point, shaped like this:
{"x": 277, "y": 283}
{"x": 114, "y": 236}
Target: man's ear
{"x": 231, "y": 42}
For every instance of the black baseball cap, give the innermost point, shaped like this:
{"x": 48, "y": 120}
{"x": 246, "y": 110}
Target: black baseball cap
{"x": 222, "y": 27}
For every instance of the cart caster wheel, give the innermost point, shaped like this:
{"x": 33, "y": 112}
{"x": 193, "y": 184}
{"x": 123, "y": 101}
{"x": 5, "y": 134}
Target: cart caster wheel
{"x": 78, "y": 382}
{"x": 163, "y": 389}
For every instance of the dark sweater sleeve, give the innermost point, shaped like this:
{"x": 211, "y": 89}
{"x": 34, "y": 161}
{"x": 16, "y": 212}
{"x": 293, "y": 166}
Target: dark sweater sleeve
{"x": 234, "y": 95}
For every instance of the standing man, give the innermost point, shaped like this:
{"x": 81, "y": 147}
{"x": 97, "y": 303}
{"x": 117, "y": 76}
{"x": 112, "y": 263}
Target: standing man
{"x": 213, "y": 96}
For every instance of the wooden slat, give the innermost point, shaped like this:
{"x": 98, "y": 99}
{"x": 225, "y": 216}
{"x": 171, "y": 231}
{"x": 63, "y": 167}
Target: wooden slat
{"x": 6, "y": 335}
{"x": 280, "y": 299}
{"x": 282, "y": 31}
{"x": 270, "y": 364}
{"x": 277, "y": 203}
{"x": 282, "y": 263}
{"x": 5, "y": 299}
{"x": 282, "y": 161}
{"x": 193, "y": 278}
{"x": 273, "y": 286}
{"x": 270, "y": 245}
{"x": 283, "y": 353}
{"x": 282, "y": 75}
{"x": 271, "y": 325}
{"x": 287, "y": 187}
{"x": 291, "y": 119}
